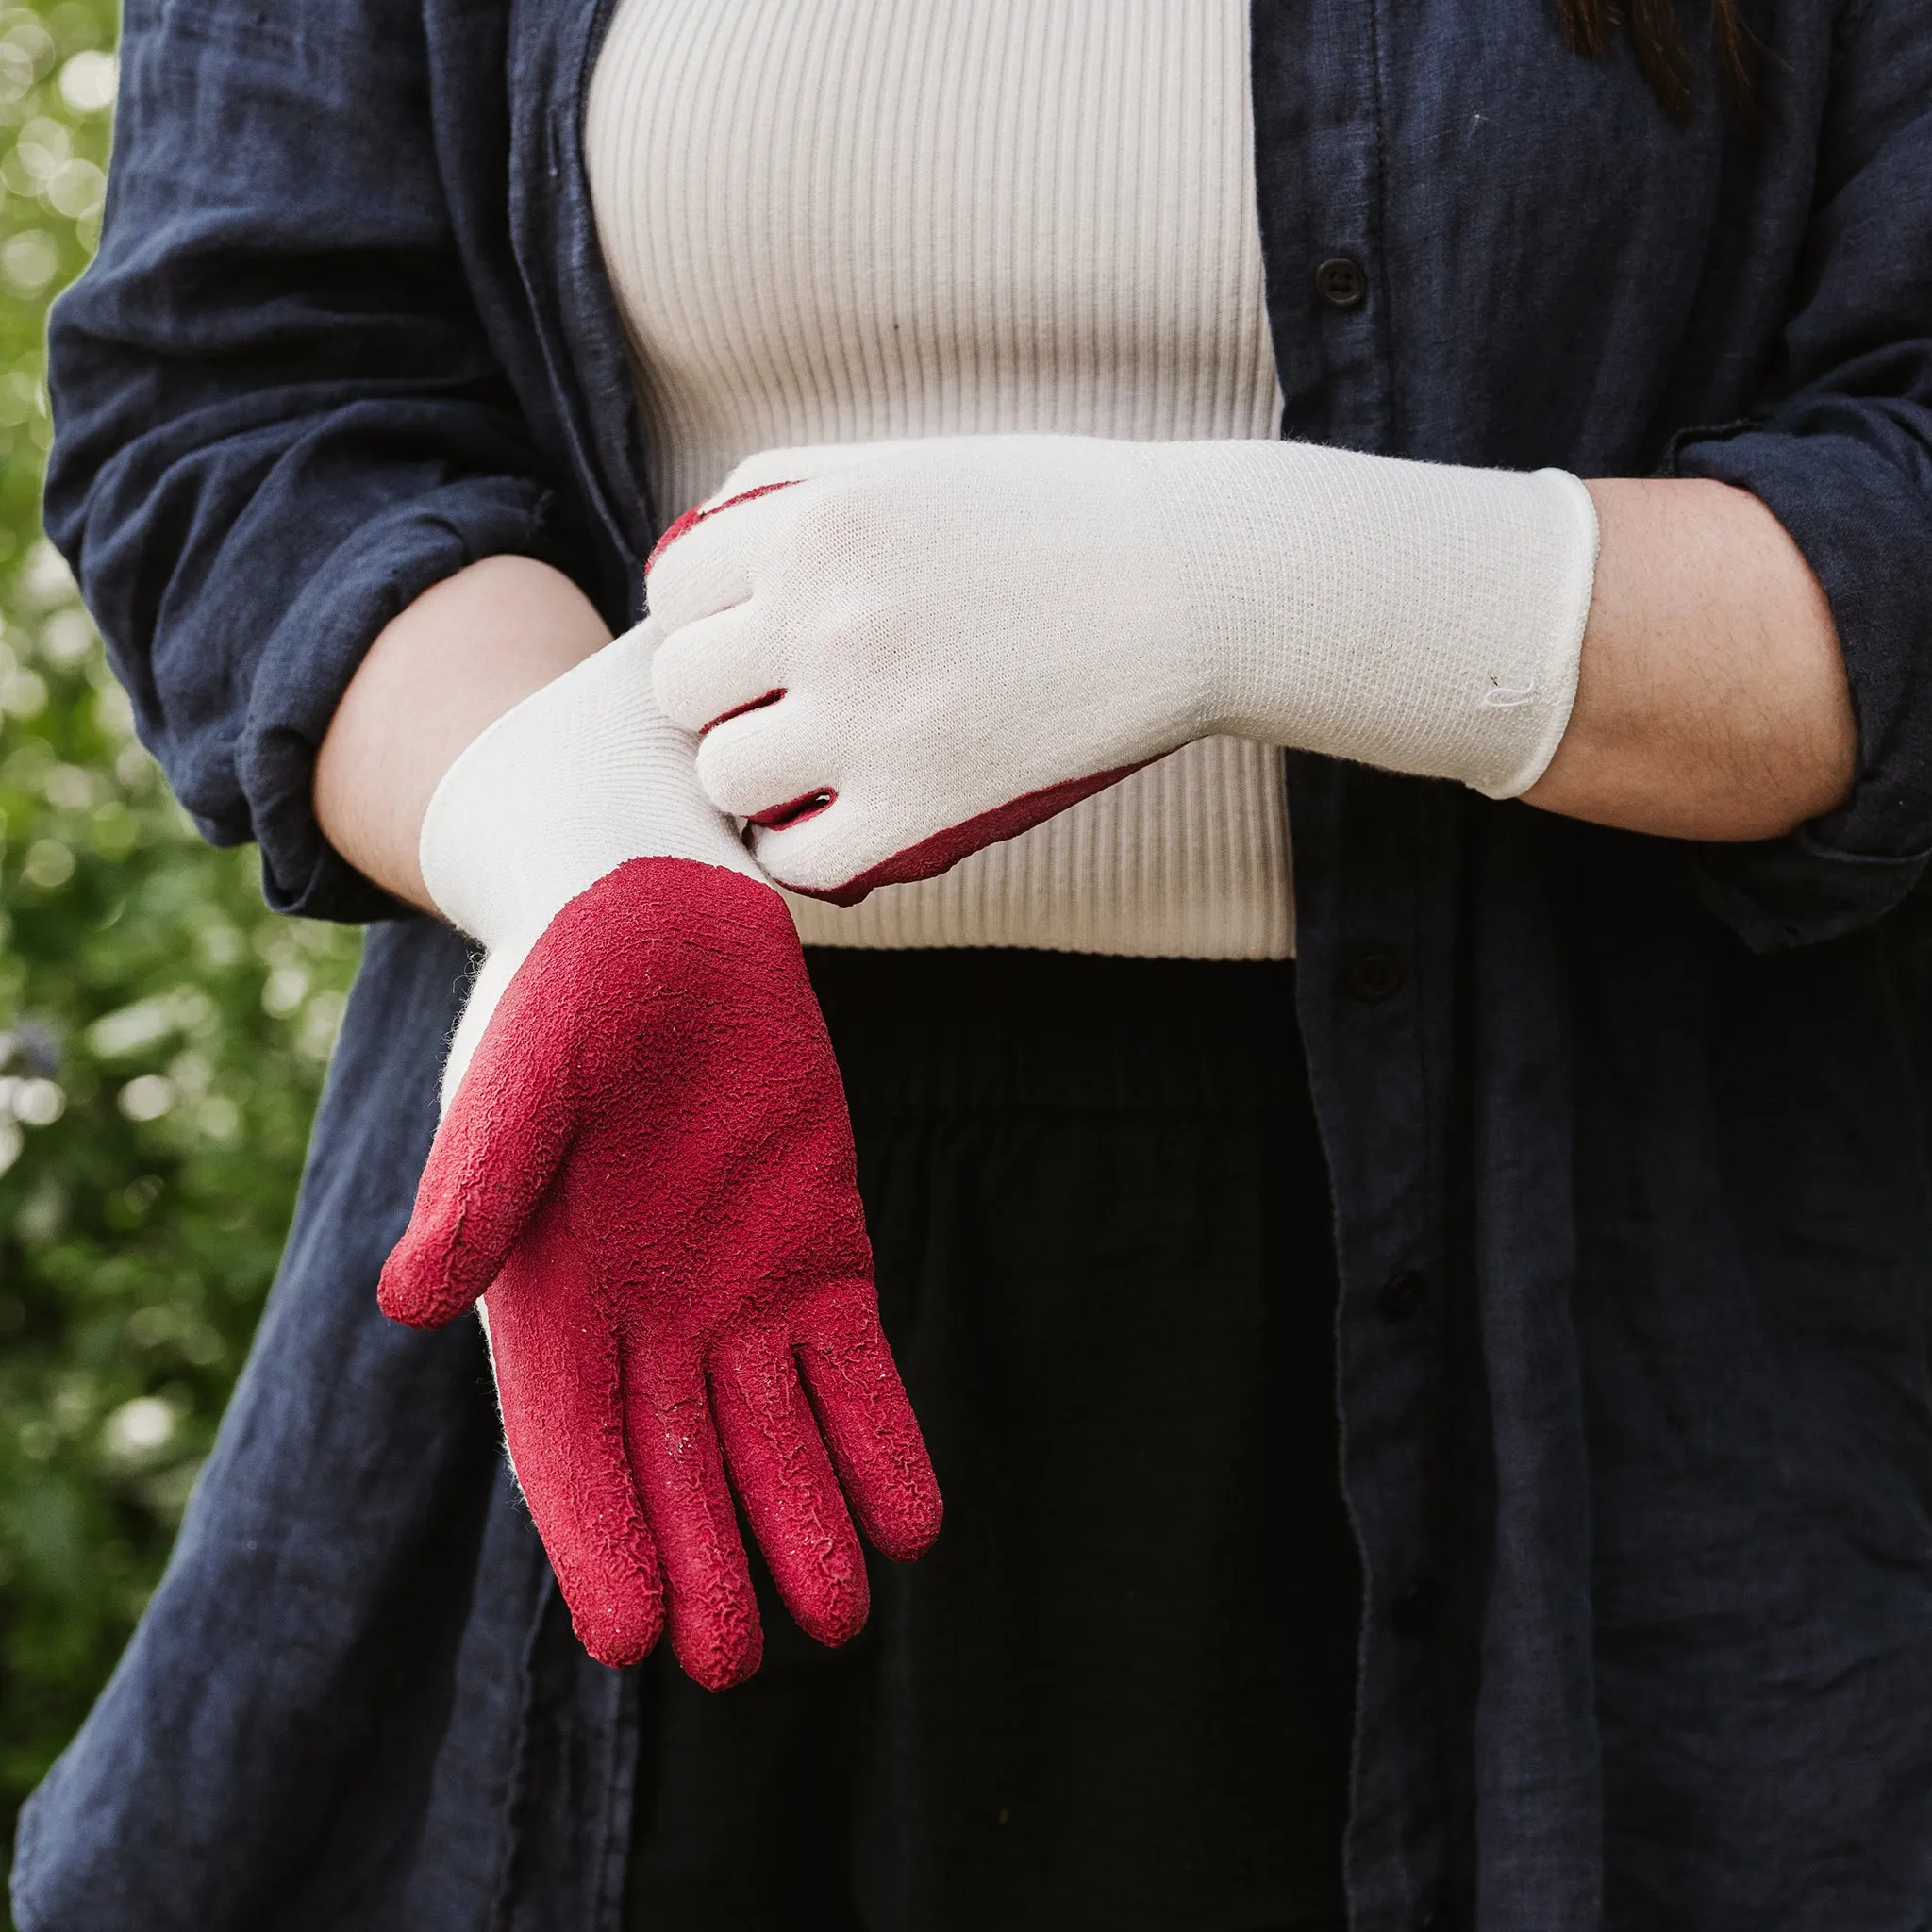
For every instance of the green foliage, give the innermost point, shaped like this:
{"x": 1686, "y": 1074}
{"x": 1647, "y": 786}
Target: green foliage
{"x": 161, "y": 1037}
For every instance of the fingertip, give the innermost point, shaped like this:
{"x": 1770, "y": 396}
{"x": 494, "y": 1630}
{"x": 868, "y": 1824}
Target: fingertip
{"x": 819, "y": 1568}
{"x": 913, "y": 1526}
{"x": 701, "y": 566}
{"x": 839, "y": 1614}
{"x": 689, "y": 521}
{"x": 703, "y": 512}
{"x": 415, "y": 1286}
{"x": 717, "y": 1651}
{"x": 621, "y": 1634}
{"x": 789, "y": 843}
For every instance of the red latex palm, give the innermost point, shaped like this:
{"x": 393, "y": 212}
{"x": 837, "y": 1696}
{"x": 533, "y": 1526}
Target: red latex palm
{"x": 649, "y": 1166}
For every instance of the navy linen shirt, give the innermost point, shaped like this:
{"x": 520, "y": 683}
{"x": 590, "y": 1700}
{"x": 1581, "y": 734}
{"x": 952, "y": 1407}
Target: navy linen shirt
{"x": 1626, "y": 1138}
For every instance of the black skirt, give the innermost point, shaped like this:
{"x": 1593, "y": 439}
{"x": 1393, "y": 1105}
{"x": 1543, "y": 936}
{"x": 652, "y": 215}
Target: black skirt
{"x": 1119, "y": 1691}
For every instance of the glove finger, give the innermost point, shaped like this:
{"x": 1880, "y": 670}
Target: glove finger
{"x": 801, "y": 462}
{"x": 509, "y": 1123}
{"x": 703, "y": 563}
{"x": 868, "y": 1422}
{"x": 840, "y": 855}
{"x": 784, "y": 1478}
{"x": 558, "y": 1380}
{"x": 768, "y": 765}
{"x": 680, "y": 1474}
{"x": 716, "y": 668}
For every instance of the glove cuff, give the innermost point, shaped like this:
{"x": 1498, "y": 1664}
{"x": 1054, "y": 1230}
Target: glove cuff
{"x": 562, "y": 788}
{"x": 1419, "y": 617}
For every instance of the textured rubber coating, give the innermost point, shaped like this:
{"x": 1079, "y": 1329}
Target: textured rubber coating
{"x": 648, "y": 1165}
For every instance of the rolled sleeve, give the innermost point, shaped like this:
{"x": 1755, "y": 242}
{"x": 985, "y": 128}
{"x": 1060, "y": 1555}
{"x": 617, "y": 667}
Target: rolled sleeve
{"x": 1857, "y": 498}
{"x": 259, "y": 788}
{"x": 1839, "y": 450}
{"x": 278, "y": 416}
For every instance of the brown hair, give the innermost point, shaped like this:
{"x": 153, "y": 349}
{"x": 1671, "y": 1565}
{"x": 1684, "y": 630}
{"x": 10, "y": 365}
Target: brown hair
{"x": 1657, "y": 35}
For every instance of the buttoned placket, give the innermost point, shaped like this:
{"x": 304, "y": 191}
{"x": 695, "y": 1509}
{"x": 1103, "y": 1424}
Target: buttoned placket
{"x": 1376, "y": 860}
{"x": 1373, "y": 866}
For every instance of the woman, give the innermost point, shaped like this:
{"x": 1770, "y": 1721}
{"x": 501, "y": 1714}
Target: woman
{"x": 1582, "y": 1135}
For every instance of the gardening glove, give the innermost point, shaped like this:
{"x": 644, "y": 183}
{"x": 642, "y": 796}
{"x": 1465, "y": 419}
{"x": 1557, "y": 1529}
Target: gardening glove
{"x": 646, "y": 1161}
{"x": 898, "y": 654}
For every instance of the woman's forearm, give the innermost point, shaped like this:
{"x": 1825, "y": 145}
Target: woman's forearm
{"x": 450, "y": 665}
{"x": 1712, "y": 701}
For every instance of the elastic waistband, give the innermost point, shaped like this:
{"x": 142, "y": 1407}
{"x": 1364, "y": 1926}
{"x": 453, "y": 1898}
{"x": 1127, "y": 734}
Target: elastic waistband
{"x": 999, "y": 1027}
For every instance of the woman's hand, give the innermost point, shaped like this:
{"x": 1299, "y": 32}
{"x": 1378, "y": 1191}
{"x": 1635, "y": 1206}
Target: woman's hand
{"x": 898, "y": 654}
{"x": 645, "y": 1161}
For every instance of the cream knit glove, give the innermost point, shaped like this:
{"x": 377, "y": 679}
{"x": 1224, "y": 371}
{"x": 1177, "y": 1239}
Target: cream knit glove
{"x": 899, "y": 654}
{"x": 581, "y": 776}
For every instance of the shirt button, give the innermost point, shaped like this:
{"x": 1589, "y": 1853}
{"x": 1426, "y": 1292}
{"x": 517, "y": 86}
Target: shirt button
{"x": 1341, "y": 283}
{"x": 1414, "y": 1608}
{"x": 1402, "y": 1295}
{"x": 1374, "y": 975}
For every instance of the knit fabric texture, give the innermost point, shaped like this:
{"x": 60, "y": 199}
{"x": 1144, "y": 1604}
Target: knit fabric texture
{"x": 940, "y": 217}
{"x": 584, "y": 773}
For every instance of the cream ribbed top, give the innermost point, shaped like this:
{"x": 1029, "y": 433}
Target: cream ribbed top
{"x": 833, "y": 220}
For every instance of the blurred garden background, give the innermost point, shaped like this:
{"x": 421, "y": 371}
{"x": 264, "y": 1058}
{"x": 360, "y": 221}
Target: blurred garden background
{"x": 162, "y": 1036}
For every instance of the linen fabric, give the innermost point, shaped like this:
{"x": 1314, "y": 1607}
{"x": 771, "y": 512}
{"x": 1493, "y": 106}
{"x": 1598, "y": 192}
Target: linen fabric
{"x": 900, "y": 656}
{"x": 1117, "y": 1692}
{"x": 1632, "y": 1130}
{"x": 834, "y": 226}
